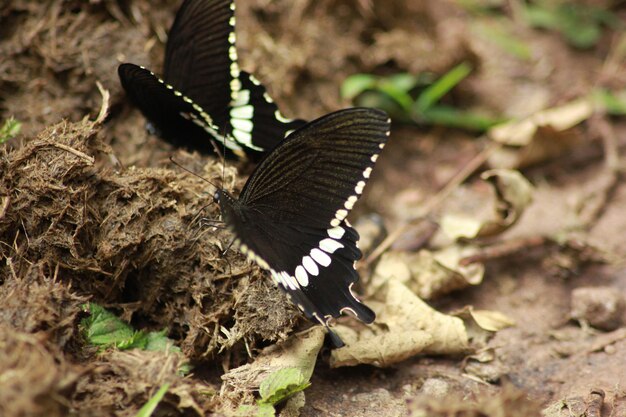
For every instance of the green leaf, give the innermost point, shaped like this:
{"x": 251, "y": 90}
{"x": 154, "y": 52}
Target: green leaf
{"x": 282, "y": 384}
{"x": 452, "y": 117}
{"x": 580, "y": 24}
{"x": 441, "y": 87}
{"x": 149, "y": 407}
{"x": 356, "y": 84}
{"x": 103, "y": 328}
{"x": 10, "y": 129}
{"x": 614, "y": 103}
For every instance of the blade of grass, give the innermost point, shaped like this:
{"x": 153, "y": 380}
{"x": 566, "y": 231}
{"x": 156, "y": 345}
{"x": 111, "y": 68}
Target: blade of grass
{"x": 441, "y": 87}
{"x": 149, "y": 407}
{"x": 452, "y": 117}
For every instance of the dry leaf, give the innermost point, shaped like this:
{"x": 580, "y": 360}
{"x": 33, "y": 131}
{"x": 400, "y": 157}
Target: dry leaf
{"x": 540, "y": 136}
{"x": 429, "y": 274}
{"x": 405, "y": 326}
{"x": 481, "y": 324}
{"x": 522, "y": 132}
{"x": 512, "y": 194}
{"x": 490, "y": 320}
{"x": 299, "y": 351}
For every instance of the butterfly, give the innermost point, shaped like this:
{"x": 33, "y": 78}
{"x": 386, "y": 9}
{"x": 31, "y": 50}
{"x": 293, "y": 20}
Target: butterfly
{"x": 204, "y": 96}
{"x": 290, "y": 217}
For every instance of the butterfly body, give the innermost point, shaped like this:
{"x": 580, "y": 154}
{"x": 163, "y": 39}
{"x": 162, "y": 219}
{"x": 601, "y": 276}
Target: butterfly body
{"x": 204, "y": 96}
{"x": 290, "y": 217}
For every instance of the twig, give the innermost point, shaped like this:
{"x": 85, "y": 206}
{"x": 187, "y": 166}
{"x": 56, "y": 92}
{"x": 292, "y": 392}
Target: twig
{"x": 104, "y": 109}
{"x": 4, "y": 206}
{"x": 601, "y": 125}
{"x": 595, "y": 402}
{"x": 502, "y": 249}
{"x": 435, "y": 201}
{"x": 89, "y": 159}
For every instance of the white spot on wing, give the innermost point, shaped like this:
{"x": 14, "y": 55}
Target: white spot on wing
{"x": 367, "y": 172}
{"x": 302, "y": 276}
{"x": 359, "y": 187}
{"x": 244, "y": 138}
{"x": 374, "y": 157}
{"x": 243, "y": 125}
{"x": 243, "y": 98}
{"x": 235, "y": 85}
{"x": 310, "y": 265}
{"x": 341, "y": 214}
{"x": 350, "y": 202}
{"x": 320, "y": 257}
{"x": 330, "y": 245}
{"x": 336, "y": 232}
{"x": 291, "y": 282}
{"x": 281, "y": 118}
{"x": 242, "y": 112}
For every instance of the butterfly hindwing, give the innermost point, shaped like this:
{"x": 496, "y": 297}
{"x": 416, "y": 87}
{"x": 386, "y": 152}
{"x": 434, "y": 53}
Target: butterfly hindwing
{"x": 290, "y": 216}
{"x": 255, "y": 113}
{"x": 170, "y": 113}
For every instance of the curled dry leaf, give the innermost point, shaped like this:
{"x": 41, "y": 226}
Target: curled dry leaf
{"x": 540, "y": 136}
{"x": 405, "y": 326}
{"x": 429, "y": 274}
{"x": 481, "y": 324}
{"x": 299, "y": 351}
{"x": 512, "y": 194}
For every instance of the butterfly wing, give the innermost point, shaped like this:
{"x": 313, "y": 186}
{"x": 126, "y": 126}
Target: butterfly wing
{"x": 201, "y": 66}
{"x": 174, "y": 116}
{"x": 290, "y": 216}
{"x": 201, "y": 58}
{"x": 255, "y": 120}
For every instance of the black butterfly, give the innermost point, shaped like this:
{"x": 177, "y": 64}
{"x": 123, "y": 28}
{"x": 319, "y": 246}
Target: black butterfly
{"x": 290, "y": 217}
{"x": 204, "y": 95}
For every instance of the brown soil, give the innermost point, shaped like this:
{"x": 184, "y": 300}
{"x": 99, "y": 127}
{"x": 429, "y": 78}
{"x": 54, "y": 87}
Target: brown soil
{"x": 93, "y": 210}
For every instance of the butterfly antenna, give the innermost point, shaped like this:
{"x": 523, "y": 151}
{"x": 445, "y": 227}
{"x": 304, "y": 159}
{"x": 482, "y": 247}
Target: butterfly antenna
{"x": 193, "y": 173}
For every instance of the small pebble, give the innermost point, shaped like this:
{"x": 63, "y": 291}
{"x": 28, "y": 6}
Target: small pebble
{"x": 435, "y": 388}
{"x": 600, "y": 307}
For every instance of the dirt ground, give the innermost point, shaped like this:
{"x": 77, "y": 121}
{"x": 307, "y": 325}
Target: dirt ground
{"x": 92, "y": 209}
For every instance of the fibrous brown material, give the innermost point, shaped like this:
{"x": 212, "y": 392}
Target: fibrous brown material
{"x": 129, "y": 240}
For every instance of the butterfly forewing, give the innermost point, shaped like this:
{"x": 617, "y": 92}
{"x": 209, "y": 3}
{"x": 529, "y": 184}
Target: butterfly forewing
{"x": 201, "y": 65}
{"x": 290, "y": 216}
{"x": 316, "y": 174}
{"x": 200, "y": 56}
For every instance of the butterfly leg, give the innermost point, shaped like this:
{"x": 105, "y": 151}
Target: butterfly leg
{"x": 228, "y": 246}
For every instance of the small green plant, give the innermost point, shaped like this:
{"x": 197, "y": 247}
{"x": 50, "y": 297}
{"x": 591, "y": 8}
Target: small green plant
{"x": 416, "y": 99}
{"x": 580, "y": 24}
{"x": 613, "y": 102}
{"x": 9, "y": 129}
{"x": 276, "y": 388}
{"x": 104, "y": 329}
{"x": 149, "y": 407}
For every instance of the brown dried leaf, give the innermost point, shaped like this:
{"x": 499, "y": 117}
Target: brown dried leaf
{"x": 405, "y": 327}
{"x": 429, "y": 274}
{"x": 512, "y": 194}
{"x": 482, "y": 324}
{"x": 540, "y": 136}
{"x": 522, "y": 132}
{"x": 299, "y": 351}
